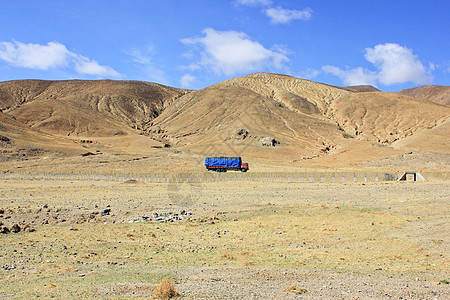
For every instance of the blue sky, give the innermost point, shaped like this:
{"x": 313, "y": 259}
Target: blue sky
{"x": 195, "y": 43}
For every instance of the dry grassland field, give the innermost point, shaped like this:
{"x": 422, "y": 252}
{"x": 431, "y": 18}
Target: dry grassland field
{"x": 234, "y": 240}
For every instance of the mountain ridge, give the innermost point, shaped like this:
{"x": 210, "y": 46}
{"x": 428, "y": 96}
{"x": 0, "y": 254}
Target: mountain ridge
{"x": 304, "y": 121}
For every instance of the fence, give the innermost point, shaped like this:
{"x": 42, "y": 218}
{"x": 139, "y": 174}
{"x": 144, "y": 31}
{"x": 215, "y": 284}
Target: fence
{"x": 286, "y": 177}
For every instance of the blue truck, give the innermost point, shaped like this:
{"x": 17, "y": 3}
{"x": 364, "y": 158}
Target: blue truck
{"x": 223, "y": 164}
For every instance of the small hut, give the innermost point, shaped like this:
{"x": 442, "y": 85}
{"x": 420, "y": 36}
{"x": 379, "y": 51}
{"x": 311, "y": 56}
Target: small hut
{"x": 411, "y": 176}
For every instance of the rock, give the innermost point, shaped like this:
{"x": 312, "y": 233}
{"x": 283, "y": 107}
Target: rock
{"x": 15, "y": 228}
{"x": 268, "y": 142}
{"x": 241, "y": 134}
{"x": 4, "y": 230}
{"x": 29, "y": 229}
{"x": 106, "y": 212}
{"x": 4, "y": 139}
{"x": 87, "y": 154}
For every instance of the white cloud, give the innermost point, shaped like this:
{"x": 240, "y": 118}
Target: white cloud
{"x": 394, "y": 64}
{"x": 51, "y": 56}
{"x": 232, "y": 52}
{"x": 281, "y": 15}
{"x": 187, "y": 80}
{"x": 254, "y": 2}
{"x": 34, "y": 56}
{"x": 84, "y": 65}
{"x": 139, "y": 57}
{"x": 356, "y": 76}
{"x": 191, "y": 67}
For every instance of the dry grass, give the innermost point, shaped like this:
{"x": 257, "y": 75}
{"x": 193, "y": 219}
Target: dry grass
{"x": 296, "y": 290}
{"x": 328, "y": 228}
{"x": 227, "y": 256}
{"x": 165, "y": 290}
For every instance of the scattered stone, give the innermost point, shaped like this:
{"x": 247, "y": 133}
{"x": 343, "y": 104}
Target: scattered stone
{"x": 15, "y": 228}
{"x": 106, "y": 212}
{"x": 4, "y": 230}
{"x": 87, "y": 154}
{"x": 268, "y": 142}
{"x": 27, "y": 228}
{"x": 241, "y": 134}
{"x": 4, "y": 139}
{"x": 163, "y": 217}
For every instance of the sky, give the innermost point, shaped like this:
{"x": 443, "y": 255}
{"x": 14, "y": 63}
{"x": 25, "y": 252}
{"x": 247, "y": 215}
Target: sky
{"x": 193, "y": 44}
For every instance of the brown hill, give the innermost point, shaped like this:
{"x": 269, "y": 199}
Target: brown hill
{"x": 308, "y": 119}
{"x": 434, "y": 93}
{"x": 361, "y": 88}
{"x": 266, "y": 118}
{"x": 19, "y": 141}
{"x": 85, "y": 108}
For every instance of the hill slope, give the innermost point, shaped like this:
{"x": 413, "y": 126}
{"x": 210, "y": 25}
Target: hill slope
{"x": 308, "y": 119}
{"x": 434, "y": 93}
{"x": 262, "y": 117}
{"x": 86, "y": 108}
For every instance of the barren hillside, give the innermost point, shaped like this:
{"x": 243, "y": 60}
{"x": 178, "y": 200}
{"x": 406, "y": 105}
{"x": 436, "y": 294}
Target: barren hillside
{"x": 266, "y": 118}
{"x": 86, "y": 108}
{"x": 306, "y": 120}
{"x": 434, "y": 93}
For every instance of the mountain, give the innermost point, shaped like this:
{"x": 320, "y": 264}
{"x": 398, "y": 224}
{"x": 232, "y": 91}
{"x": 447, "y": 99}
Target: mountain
{"x": 435, "y": 93}
{"x": 362, "y": 88}
{"x": 87, "y": 108}
{"x": 266, "y": 118}
{"x": 308, "y": 119}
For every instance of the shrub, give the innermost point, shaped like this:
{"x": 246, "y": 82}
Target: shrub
{"x": 165, "y": 290}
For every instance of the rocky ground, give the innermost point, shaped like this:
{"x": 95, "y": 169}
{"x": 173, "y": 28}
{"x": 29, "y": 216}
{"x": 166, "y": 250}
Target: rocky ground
{"x": 99, "y": 239}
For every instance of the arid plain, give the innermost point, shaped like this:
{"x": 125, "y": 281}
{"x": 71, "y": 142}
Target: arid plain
{"x": 79, "y": 159}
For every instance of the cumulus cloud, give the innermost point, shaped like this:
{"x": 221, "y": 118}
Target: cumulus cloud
{"x": 84, "y": 65}
{"x": 187, "y": 80}
{"x": 51, "y": 56}
{"x": 393, "y": 63}
{"x": 34, "y": 56}
{"x": 356, "y": 76}
{"x": 254, "y": 2}
{"x": 232, "y": 52}
{"x": 396, "y": 64}
{"x": 281, "y": 15}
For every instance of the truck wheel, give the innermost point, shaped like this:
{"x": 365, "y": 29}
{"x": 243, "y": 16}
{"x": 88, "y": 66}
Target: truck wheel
{"x": 243, "y": 170}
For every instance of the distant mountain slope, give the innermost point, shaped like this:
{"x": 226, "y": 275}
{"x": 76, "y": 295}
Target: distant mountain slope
{"x": 308, "y": 119}
{"x": 385, "y": 117}
{"x": 79, "y": 107}
{"x": 261, "y": 116}
{"x": 362, "y": 88}
{"x": 434, "y": 93}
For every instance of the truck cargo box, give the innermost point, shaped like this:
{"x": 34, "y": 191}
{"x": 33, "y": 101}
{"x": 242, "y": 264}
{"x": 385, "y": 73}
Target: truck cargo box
{"x": 223, "y": 162}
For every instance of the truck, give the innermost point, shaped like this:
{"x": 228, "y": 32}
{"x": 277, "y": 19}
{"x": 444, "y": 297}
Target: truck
{"x": 223, "y": 164}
